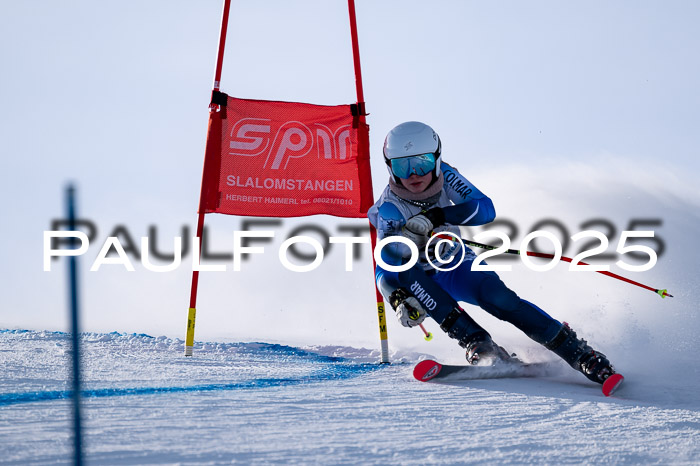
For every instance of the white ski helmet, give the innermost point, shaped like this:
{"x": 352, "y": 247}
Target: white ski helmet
{"x": 412, "y": 147}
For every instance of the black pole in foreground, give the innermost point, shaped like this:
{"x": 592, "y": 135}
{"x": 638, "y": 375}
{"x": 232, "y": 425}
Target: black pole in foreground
{"x": 75, "y": 333}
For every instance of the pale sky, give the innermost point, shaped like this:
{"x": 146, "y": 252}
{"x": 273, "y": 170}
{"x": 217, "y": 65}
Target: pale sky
{"x": 114, "y": 96}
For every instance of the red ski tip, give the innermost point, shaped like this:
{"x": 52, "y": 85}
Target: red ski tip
{"x": 611, "y": 384}
{"x": 426, "y": 370}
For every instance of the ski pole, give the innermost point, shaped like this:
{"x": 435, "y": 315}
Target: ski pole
{"x": 428, "y": 335}
{"x": 661, "y": 292}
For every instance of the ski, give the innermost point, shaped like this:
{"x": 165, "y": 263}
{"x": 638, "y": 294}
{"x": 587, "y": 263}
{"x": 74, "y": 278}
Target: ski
{"x": 429, "y": 369}
{"x": 612, "y": 383}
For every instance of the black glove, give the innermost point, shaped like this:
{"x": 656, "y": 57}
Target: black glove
{"x": 436, "y": 216}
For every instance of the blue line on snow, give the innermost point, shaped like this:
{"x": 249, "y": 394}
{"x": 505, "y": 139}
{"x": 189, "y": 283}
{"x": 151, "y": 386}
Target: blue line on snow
{"x": 334, "y": 373}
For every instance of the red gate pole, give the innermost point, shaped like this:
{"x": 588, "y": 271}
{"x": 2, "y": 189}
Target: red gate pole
{"x": 356, "y": 58}
{"x": 383, "y": 335}
{"x": 213, "y": 108}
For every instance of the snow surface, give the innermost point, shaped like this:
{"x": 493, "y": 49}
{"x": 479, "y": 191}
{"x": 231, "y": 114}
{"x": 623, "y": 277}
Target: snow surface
{"x": 546, "y": 118}
{"x": 260, "y": 403}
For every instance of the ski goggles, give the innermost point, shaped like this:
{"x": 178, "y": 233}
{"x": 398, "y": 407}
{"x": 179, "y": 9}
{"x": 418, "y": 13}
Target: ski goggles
{"x": 420, "y": 165}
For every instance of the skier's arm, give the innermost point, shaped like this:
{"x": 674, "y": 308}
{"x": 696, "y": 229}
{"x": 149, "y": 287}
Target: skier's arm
{"x": 471, "y": 206}
{"x": 390, "y": 222}
{"x": 470, "y": 213}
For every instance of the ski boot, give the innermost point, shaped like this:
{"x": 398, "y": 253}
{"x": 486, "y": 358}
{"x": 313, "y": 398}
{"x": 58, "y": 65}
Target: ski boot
{"x": 481, "y": 350}
{"x": 579, "y": 355}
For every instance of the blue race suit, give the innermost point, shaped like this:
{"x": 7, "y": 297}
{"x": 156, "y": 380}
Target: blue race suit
{"x": 462, "y": 204}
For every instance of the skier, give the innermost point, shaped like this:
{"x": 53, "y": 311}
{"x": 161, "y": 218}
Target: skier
{"x": 426, "y": 196}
